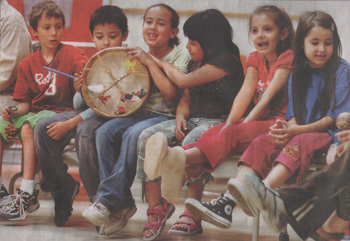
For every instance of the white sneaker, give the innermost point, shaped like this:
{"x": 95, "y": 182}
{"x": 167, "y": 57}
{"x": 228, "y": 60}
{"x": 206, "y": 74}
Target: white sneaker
{"x": 118, "y": 220}
{"x": 96, "y": 214}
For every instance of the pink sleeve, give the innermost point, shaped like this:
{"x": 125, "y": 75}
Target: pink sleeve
{"x": 253, "y": 60}
{"x": 285, "y": 60}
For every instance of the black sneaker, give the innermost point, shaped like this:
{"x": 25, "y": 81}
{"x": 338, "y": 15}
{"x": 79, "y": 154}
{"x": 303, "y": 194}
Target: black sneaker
{"x": 21, "y": 205}
{"x": 64, "y": 203}
{"x": 217, "y": 212}
{"x": 3, "y": 192}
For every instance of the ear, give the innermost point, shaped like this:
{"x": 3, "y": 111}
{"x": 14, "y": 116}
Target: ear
{"x": 35, "y": 33}
{"x": 284, "y": 34}
{"x": 174, "y": 33}
{"x": 125, "y": 35}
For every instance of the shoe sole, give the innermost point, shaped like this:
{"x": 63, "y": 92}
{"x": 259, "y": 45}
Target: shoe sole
{"x": 173, "y": 173}
{"x": 196, "y": 208}
{"x": 240, "y": 197}
{"x": 128, "y": 215}
{"x": 155, "y": 150}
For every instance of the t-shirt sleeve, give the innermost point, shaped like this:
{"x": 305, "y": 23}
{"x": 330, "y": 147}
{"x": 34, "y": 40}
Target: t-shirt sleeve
{"x": 285, "y": 60}
{"x": 228, "y": 62}
{"x": 22, "y": 91}
{"x": 342, "y": 92}
{"x": 253, "y": 60}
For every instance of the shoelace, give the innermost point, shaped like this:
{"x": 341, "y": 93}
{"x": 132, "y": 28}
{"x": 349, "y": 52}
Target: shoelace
{"x": 219, "y": 200}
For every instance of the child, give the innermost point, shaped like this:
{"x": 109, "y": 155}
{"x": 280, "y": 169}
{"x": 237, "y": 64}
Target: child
{"x": 108, "y": 26}
{"x": 323, "y": 76}
{"x": 206, "y": 99}
{"x": 272, "y": 33}
{"x": 41, "y": 94}
{"x": 116, "y": 140}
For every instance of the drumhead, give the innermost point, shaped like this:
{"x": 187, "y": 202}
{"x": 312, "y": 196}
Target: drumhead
{"x": 114, "y": 86}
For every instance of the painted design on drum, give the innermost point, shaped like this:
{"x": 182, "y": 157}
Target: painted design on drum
{"x": 120, "y": 110}
{"x": 141, "y": 93}
{"x": 104, "y": 99}
{"x": 131, "y": 65}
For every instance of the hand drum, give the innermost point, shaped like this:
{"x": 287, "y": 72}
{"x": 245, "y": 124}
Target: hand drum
{"x": 114, "y": 86}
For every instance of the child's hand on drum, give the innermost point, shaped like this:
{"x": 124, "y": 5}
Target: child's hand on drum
{"x": 141, "y": 55}
{"x": 181, "y": 129}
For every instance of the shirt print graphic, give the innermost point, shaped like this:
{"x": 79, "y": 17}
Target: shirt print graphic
{"x": 49, "y": 79}
{"x": 261, "y": 87}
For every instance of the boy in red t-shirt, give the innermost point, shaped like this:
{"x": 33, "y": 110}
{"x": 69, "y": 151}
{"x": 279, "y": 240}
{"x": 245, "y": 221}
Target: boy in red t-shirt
{"x": 41, "y": 94}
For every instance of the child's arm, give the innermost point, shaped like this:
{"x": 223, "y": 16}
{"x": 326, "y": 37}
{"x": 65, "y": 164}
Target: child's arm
{"x": 59, "y": 129}
{"x": 205, "y": 74}
{"x": 22, "y": 109}
{"x": 182, "y": 115}
{"x": 160, "y": 79}
{"x": 277, "y": 84}
{"x": 243, "y": 98}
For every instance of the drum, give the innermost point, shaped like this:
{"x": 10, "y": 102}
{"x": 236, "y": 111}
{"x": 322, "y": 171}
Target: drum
{"x": 114, "y": 86}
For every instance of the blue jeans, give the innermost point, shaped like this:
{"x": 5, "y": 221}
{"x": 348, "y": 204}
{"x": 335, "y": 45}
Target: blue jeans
{"x": 116, "y": 142}
{"x": 87, "y": 154}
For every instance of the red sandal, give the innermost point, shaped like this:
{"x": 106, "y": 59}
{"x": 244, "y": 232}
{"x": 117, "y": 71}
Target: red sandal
{"x": 162, "y": 212}
{"x": 194, "y": 226}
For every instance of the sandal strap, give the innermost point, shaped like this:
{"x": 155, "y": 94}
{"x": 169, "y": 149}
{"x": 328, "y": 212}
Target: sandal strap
{"x": 189, "y": 215}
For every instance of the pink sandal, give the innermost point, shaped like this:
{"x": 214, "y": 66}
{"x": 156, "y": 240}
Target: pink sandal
{"x": 162, "y": 212}
{"x": 194, "y": 227}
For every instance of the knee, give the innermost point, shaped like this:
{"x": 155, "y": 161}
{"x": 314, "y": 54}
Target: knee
{"x": 27, "y": 131}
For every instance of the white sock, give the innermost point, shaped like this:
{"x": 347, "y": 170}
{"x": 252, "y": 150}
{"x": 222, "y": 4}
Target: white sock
{"x": 27, "y": 186}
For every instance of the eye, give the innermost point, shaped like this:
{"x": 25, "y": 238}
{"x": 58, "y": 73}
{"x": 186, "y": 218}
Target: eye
{"x": 314, "y": 43}
{"x": 148, "y": 21}
{"x": 113, "y": 36}
{"x": 329, "y": 43}
{"x": 268, "y": 29}
{"x": 59, "y": 26}
{"x": 98, "y": 37}
{"x": 254, "y": 30}
{"x": 47, "y": 28}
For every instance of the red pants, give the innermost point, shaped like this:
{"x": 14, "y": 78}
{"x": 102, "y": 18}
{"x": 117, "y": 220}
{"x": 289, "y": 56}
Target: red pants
{"x": 218, "y": 146}
{"x": 263, "y": 153}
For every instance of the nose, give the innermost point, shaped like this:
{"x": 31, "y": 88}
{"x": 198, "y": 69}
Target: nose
{"x": 188, "y": 45}
{"x": 260, "y": 34}
{"x": 53, "y": 31}
{"x": 321, "y": 47}
{"x": 106, "y": 42}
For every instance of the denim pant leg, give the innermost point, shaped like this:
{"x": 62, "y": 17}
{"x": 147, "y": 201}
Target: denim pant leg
{"x": 87, "y": 153}
{"x": 108, "y": 143}
{"x": 114, "y": 191}
{"x": 49, "y": 152}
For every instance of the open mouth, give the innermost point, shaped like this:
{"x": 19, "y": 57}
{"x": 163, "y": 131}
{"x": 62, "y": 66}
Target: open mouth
{"x": 152, "y": 35}
{"x": 262, "y": 44}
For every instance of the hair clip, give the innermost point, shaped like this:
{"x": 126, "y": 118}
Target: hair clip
{"x": 332, "y": 27}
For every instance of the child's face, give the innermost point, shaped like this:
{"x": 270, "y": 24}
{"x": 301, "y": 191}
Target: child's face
{"x": 157, "y": 30}
{"x": 195, "y": 50}
{"x": 107, "y": 36}
{"x": 265, "y": 34}
{"x": 49, "y": 32}
{"x": 318, "y": 46}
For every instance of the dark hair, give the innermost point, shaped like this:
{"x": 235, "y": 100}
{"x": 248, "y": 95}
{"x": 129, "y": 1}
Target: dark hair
{"x": 174, "y": 21}
{"x": 212, "y": 31}
{"x": 307, "y": 21}
{"x": 50, "y": 8}
{"x": 282, "y": 20}
{"x": 109, "y": 14}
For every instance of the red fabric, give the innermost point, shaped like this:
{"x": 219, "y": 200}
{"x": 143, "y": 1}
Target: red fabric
{"x": 262, "y": 154}
{"x": 46, "y": 90}
{"x": 258, "y": 61}
{"x": 218, "y": 146}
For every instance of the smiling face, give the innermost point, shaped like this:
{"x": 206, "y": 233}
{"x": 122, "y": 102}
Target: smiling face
{"x": 157, "y": 30}
{"x": 265, "y": 35}
{"x": 49, "y": 32}
{"x": 195, "y": 50}
{"x": 108, "y": 36}
{"x": 318, "y": 46}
